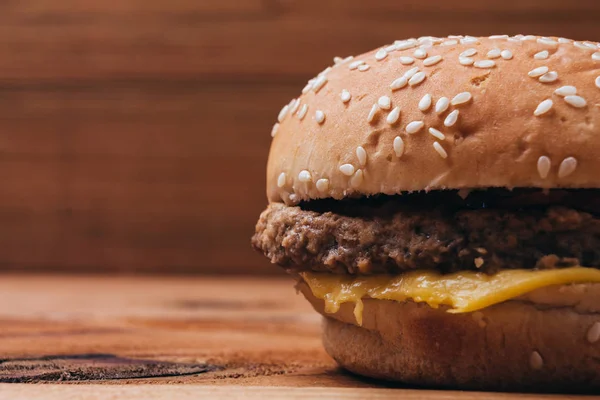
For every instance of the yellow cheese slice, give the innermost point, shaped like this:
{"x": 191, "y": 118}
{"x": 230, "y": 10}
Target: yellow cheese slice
{"x": 462, "y": 292}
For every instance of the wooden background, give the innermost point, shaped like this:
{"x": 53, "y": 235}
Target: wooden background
{"x": 134, "y": 133}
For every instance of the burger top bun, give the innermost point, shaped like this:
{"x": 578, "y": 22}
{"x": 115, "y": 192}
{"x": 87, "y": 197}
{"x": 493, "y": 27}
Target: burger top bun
{"x": 451, "y": 113}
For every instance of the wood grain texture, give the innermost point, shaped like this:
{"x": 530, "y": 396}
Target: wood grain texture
{"x": 134, "y": 134}
{"x": 219, "y": 337}
{"x": 194, "y": 392}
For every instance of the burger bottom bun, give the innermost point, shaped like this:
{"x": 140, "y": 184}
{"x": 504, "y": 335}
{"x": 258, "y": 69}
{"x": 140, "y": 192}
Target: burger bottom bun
{"x": 515, "y": 345}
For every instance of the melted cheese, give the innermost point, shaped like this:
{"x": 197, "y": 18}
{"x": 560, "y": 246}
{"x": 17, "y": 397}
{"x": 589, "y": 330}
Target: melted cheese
{"x": 462, "y": 292}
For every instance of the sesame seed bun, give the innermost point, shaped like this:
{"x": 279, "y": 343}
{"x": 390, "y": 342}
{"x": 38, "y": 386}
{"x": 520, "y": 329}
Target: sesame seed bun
{"x": 547, "y": 340}
{"x": 456, "y": 113}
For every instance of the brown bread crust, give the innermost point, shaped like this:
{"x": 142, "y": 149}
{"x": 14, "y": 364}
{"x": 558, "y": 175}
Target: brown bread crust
{"x": 533, "y": 343}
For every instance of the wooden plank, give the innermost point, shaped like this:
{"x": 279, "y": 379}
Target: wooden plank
{"x": 100, "y": 41}
{"x": 139, "y": 177}
{"x": 242, "y": 337}
{"x": 111, "y": 242}
{"x": 193, "y": 392}
{"x": 141, "y": 119}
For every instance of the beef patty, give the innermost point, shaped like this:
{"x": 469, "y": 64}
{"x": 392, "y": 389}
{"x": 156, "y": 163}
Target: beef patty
{"x": 484, "y": 230}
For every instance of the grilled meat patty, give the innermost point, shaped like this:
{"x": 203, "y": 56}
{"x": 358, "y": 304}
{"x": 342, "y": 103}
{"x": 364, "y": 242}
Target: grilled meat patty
{"x": 483, "y": 230}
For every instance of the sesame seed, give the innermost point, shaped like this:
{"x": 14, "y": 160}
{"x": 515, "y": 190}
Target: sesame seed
{"x": 440, "y": 150}
{"x": 347, "y": 169}
{"x": 428, "y": 62}
{"x": 566, "y": 91}
{"x": 567, "y": 167}
{"x": 563, "y": 40}
{"x": 481, "y": 250}
{"x": 281, "y": 180}
{"x": 576, "y": 101}
{"x": 580, "y": 45}
{"x": 420, "y": 53}
{"x": 293, "y": 198}
{"x": 319, "y": 83}
{"x": 384, "y": 103}
{"x": 355, "y": 64}
{"x": 539, "y": 71}
{"x": 319, "y": 116}
{"x": 597, "y": 82}
{"x": 398, "y": 146}
{"x": 449, "y": 43}
{"x": 547, "y": 41}
{"x": 451, "y": 118}
{"x": 411, "y": 72}
{"x": 549, "y": 77}
{"x": 478, "y": 262}
{"x": 361, "y": 154}
{"x": 494, "y": 53}
{"x": 372, "y": 113}
{"x": 543, "y": 107}
{"x": 275, "y": 129}
{"x": 356, "y": 179}
{"x": 435, "y": 133}
{"x": 425, "y": 102}
{"x": 529, "y": 37}
{"x": 442, "y": 105}
{"x": 308, "y": 86}
{"x": 590, "y": 45}
{"x": 283, "y": 113}
{"x": 417, "y": 78}
{"x": 468, "y": 52}
{"x": 454, "y": 36}
{"x": 543, "y": 166}
{"x": 304, "y": 176}
{"x": 381, "y": 54}
{"x": 461, "y": 98}
{"x": 593, "y": 334}
{"x": 542, "y": 55}
{"x": 468, "y": 40}
{"x": 405, "y": 60}
{"x": 405, "y": 44}
{"x": 414, "y": 127}
{"x": 322, "y": 185}
{"x": 399, "y": 83}
{"x": 596, "y": 56}
{"x": 499, "y": 37}
{"x": 325, "y": 71}
{"x": 466, "y": 61}
{"x": 345, "y": 96}
{"x": 536, "y": 361}
{"x": 393, "y": 116}
{"x": 337, "y": 60}
{"x": 390, "y": 48}
{"x": 364, "y": 67}
{"x": 506, "y": 54}
{"x": 484, "y": 64}
{"x": 294, "y": 106}
{"x": 302, "y": 111}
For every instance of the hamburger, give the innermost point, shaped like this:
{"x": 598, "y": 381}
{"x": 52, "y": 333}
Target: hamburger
{"x": 437, "y": 200}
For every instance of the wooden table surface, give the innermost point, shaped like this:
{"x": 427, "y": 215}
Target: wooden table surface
{"x": 160, "y": 337}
